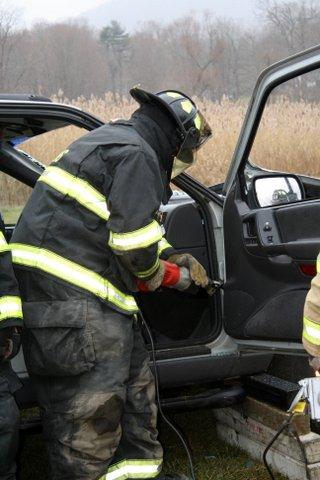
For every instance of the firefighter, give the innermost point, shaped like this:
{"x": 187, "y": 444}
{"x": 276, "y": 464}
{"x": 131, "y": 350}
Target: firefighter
{"x": 86, "y": 241}
{"x": 311, "y": 321}
{"x": 10, "y": 324}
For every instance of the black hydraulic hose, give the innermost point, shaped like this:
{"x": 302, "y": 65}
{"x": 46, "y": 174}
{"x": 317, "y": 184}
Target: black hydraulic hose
{"x": 174, "y": 428}
{"x": 284, "y": 425}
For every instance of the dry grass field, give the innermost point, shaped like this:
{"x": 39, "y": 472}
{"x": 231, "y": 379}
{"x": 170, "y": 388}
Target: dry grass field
{"x": 288, "y": 140}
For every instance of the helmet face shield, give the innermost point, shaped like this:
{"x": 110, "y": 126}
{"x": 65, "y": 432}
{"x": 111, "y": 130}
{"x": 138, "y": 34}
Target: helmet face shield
{"x": 205, "y": 129}
{"x": 185, "y": 159}
{"x": 196, "y": 137}
{"x": 197, "y": 132}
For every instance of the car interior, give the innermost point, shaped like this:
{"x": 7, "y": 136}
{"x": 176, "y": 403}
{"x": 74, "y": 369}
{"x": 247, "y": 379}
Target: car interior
{"x": 178, "y": 318}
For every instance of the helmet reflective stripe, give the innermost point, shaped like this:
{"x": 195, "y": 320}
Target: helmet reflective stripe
{"x": 71, "y": 272}
{"x": 10, "y": 307}
{"x": 144, "y": 237}
{"x": 197, "y": 122}
{"x": 311, "y": 331}
{"x": 133, "y": 469}
{"x": 76, "y": 188}
{"x": 174, "y": 94}
{"x": 187, "y": 106}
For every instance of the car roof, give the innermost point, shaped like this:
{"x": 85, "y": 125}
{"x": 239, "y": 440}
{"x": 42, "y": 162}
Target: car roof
{"x": 24, "y": 97}
{"x": 41, "y": 115}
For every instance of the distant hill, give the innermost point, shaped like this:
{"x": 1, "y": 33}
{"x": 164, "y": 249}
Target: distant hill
{"x": 131, "y": 13}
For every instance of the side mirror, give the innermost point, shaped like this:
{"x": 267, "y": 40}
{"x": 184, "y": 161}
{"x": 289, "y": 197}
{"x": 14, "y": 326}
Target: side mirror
{"x": 277, "y": 190}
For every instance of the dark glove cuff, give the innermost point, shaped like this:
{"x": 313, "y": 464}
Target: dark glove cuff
{"x": 167, "y": 253}
{"x": 11, "y": 322}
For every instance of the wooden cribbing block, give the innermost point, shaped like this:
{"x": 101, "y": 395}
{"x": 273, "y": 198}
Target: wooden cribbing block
{"x": 253, "y": 424}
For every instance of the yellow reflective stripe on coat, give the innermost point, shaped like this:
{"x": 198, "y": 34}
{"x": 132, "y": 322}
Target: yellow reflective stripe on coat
{"x": 311, "y": 331}
{"x": 76, "y": 188}
{"x": 163, "y": 245}
{"x": 71, "y": 272}
{"x": 142, "y": 238}
{"x": 133, "y": 469}
{"x": 10, "y": 307}
{"x": 3, "y": 243}
{"x": 150, "y": 271}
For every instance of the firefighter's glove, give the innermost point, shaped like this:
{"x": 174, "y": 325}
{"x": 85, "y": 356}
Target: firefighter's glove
{"x": 10, "y": 341}
{"x": 168, "y": 275}
{"x": 314, "y": 362}
{"x": 197, "y": 273}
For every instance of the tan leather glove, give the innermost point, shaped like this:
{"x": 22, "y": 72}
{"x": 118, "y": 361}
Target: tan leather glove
{"x": 197, "y": 272}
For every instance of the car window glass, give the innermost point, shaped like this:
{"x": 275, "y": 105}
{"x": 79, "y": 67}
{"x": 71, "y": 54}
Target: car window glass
{"x": 44, "y": 148}
{"x": 288, "y": 139}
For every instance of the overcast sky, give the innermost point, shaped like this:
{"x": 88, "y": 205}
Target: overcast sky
{"x": 32, "y": 10}
{"x": 127, "y": 11}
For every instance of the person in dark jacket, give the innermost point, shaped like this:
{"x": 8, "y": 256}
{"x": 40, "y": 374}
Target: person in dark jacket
{"x": 87, "y": 240}
{"x": 10, "y": 324}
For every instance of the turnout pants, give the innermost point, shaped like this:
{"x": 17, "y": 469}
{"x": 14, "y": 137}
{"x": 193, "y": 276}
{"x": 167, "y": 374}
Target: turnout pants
{"x": 90, "y": 369}
{"x": 9, "y": 422}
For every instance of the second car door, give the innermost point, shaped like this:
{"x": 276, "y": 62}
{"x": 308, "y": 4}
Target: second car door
{"x": 271, "y": 248}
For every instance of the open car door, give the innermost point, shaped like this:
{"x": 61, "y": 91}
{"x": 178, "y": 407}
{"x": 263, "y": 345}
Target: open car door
{"x": 271, "y": 228}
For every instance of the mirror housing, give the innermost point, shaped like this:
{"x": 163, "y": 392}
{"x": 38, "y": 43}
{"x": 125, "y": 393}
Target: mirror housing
{"x": 271, "y": 190}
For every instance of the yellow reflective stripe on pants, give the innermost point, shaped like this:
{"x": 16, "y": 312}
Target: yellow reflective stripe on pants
{"x": 163, "y": 245}
{"x": 141, "y": 238}
{"x": 133, "y": 469}
{"x": 71, "y": 272}
{"x": 311, "y": 331}
{"x": 3, "y": 243}
{"x": 76, "y": 188}
{"x": 10, "y": 307}
{"x": 147, "y": 273}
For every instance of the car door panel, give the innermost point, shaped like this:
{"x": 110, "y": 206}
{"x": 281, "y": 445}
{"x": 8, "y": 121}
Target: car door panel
{"x": 267, "y": 281}
{"x": 292, "y": 230}
{"x": 184, "y": 230}
{"x": 268, "y": 273}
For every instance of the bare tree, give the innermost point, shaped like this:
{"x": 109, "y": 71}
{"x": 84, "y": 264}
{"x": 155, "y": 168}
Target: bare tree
{"x": 203, "y": 56}
{"x": 294, "y": 26}
{"x": 11, "y": 72}
{"x": 294, "y": 21}
{"x": 67, "y": 58}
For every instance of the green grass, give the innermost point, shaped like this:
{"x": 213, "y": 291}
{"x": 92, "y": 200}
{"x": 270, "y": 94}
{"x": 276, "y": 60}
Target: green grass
{"x": 213, "y": 459}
